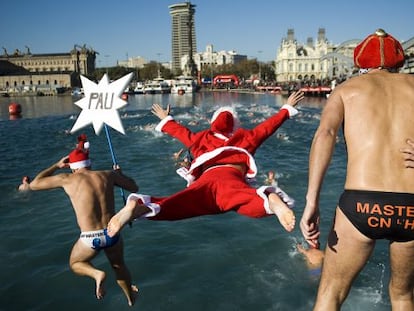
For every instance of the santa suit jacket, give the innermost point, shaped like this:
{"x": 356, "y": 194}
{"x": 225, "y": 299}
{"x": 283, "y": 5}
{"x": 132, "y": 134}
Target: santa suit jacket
{"x": 211, "y": 148}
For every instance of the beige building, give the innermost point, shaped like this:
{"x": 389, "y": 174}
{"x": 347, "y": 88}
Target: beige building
{"x": 318, "y": 61}
{"x": 212, "y": 58}
{"x": 296, "y": 61}
{"x": 24, "y": 71}
{"x": 133, "y": 62}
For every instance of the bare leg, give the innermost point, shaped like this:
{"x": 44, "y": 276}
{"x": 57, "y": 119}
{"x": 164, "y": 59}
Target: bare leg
{"x": 79, "y": 261}
{"x": 345, "y": 256}
{"x": 123, "y": 276}
{"x": 130, "y": 211}
{"x": 285, "y": 215}
{"x": 402, "y": 276}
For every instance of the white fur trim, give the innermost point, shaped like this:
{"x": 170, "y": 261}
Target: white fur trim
{"x": 261, "y": 192}
{"x": 292, "y": 110}
{"x": 80, "y": 164}
{"x": 183, "y": 172}
{"x": 236, "y": 121}
{"x": 283, "y": 196}
{"x": 220, "y": 136}
{"x": 146, "y": 200}
{"x": 163, "y": 122}
{"x": 86, "y": 145}
{"x": 222, "y": 109}
{"x": 212, "y": 154}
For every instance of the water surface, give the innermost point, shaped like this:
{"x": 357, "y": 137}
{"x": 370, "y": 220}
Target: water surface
{"x": 222, "y": 262}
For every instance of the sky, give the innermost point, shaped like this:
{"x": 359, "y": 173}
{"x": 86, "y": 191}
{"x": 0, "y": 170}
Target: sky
{"x": 120, "y": 29}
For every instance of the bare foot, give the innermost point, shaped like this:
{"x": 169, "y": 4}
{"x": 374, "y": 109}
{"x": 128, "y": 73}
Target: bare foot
{"x": 99, "y": 279}
{"x": 119, "y": 220}
{"x": 284, "y": 214}
{"x": 131, "y": 299}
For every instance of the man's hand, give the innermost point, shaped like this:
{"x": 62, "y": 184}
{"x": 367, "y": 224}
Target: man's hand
{"x": 295, "y": 97}
{"x": 63, "y": 163}
{"x": 160, "y": 112}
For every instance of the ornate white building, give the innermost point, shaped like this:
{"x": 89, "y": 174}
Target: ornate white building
{"x": 296, "y": 61}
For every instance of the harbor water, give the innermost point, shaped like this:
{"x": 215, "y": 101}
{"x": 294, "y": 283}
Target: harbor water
{"x": 211, "y": 263}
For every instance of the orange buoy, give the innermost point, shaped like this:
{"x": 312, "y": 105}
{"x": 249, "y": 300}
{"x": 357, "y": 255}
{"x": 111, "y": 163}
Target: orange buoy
{"x": 15, "y": 109}
{"x": 124, "y": 96}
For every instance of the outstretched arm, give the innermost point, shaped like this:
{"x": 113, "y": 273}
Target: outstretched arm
{"x": 158, "y": 111}
{"x": 295, "y": 98}
{"x": 46, "y": 180}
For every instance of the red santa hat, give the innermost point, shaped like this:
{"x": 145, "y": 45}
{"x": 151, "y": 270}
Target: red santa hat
{"x": 224, "y": 121}
{"x": 83, "y": 142}
{"x": 79, "y": 158}
{"x": 379, "y": 50}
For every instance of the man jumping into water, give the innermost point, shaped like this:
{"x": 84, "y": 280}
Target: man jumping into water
{"x": 376, "y": 110}
{"x": 223, "y": 158}
{"x": 92, "y": 197}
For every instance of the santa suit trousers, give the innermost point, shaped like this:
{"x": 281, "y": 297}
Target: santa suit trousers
{"x": 218, "y": 190}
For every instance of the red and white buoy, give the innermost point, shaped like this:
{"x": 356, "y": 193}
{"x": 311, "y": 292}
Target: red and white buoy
{"x": 15, "y": 109}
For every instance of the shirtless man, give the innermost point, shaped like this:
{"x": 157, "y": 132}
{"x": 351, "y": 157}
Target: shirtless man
{"x": 377, "y": 112}
{"x": 216, "y": 180}
{"x": 314, "y": 259}
{"x": 92, "y": 197}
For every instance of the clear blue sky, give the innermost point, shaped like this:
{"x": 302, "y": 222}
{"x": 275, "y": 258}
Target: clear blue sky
{"x": 130, "y": 28}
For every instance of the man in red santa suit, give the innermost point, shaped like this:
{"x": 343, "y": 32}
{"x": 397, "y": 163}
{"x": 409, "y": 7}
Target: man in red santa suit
{"x": 223, "y": 159}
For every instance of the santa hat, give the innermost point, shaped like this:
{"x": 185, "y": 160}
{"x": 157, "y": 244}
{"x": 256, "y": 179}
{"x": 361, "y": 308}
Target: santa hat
{"x": 379, "y": 50}
{"x": 83, "y": 142}
{"x": 224, "y": 121}
{"x": 79, "y": 158}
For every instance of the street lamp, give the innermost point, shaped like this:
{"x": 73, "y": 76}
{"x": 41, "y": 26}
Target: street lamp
{"x": 106, "y": 64}
{"x": 159, "y": 64}
{"x": 260, "y": 67}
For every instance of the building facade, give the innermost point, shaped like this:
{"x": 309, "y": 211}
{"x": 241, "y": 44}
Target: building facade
{"x": 211, "y": 58}
{"x": 183, "y": 36}
{"x": 133, "y": 62}
{"x": 302, "y": 62}
{"x": 58, "y": 69}
{"x": 322, "y": 61}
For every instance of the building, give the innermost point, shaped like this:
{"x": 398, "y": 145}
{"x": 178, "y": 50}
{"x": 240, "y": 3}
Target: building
{"x": 322, "y": 62}
{"x": 210, "y": 58}
{"x": 183, "y": 40}
{"x": 133, "y": 62}
{"x": 296, "y": 61}
{"x": 32, "y": 71}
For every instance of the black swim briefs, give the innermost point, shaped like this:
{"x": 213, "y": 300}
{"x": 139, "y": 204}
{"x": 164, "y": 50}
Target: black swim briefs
{"x": 380, "y": 215}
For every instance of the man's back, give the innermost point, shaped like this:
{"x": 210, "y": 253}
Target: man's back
{"x": 379, "y": 114}
{"x": 92, "y": 197}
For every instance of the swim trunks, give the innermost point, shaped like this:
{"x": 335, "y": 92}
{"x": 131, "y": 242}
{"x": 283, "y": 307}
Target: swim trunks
{"x": 380, "y": 215}
{"x": 315, "y": 272}
{"x": 98, "y": 239}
